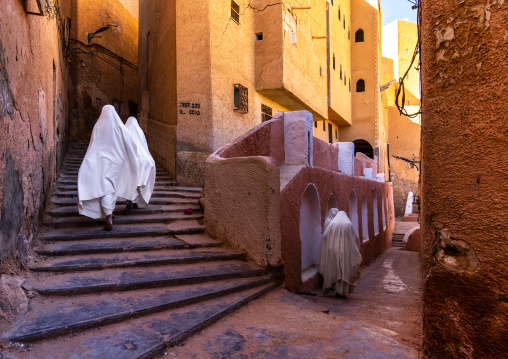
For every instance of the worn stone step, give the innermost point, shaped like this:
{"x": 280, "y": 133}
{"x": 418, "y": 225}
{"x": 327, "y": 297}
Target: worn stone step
{"x": 74, "y": 181}
{"x": 70, "y": 211}
{"x": 133, "y": 259}
{"x": 69, "y": 201}
{"x": 122, "y": 231}
{"x": 145, "y": 336}
{"x": 121, "y": 279}
{"x": 126, "y": 245}
{"x": 136, "y": 217}
{"x": 48, "y": 317}
{"x": 74, "y": 187}
{"x": 155, "y": 194}
{"x": 71, "y": 169}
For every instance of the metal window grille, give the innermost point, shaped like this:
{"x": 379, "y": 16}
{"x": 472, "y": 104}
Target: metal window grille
{"x": 235, "y": 11}
{"x": 241, "y": 98}
{"x": 266, "y": 113}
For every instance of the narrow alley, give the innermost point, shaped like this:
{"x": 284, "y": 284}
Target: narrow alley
{"x": 381, "y": 319}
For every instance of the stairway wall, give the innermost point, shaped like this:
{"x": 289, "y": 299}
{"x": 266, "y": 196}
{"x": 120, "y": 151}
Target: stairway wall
{"x": 33, "y": 121}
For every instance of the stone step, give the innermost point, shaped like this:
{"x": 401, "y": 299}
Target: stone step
{"x": 49, "y": 317}
{"x": 86, "y": 262}
{"x": 71, "y": 211}
{"x": 122, "y": 279}
{"x": 69, "y": 201}
{"x": 145, "y": 336}
{"x": 136, "y": 216}
{"x": 126, "y": 245}
{"x": 74, "y": 187}
{"x": 122, "y": 231}
{"x": 74, "y": 181}
{"x": 155, "y": 194}
{"x": 67, "y": 177}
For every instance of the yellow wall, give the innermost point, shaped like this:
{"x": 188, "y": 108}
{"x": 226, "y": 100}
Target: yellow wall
{"x": 365, "y": 59}
{"x": 407, "y": 38}
{"x": 339, "y": 42}
{"x": 324, "y": 133}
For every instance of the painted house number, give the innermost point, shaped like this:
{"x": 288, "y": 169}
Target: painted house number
{"x": 190, "y": 107}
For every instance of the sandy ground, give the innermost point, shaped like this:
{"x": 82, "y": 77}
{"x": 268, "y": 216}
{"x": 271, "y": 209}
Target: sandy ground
{"x": 381, "y": 319}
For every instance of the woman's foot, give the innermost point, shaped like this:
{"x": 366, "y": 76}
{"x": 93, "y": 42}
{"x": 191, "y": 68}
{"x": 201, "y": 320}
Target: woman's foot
{"x": 337, "y": 295}
{"x": 109, "y": 223}
{"x": 128, "y": 208}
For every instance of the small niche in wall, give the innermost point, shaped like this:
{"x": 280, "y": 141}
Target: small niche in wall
{"x": 259, "y": 36}
{"x": 365, "y": 220}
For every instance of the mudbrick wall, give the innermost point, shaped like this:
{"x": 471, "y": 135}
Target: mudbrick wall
{"x": 464, "y": 186}
{"x": 104, "y": 65}
{"x": 33, "y": 121}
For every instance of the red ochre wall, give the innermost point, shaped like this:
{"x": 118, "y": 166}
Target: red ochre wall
{"x": 326, "y": 183}
{"x": 464, "y": 178}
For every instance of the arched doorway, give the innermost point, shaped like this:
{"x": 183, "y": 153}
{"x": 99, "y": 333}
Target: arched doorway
{"x": 310, "y": 227}
{"x": 364, "y": 147}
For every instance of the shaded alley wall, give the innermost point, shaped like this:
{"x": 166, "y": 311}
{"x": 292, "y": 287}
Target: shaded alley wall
{"x": 464, "y": 141}
{"x": 104, "y": 65}
{"x": 33, "y": 122}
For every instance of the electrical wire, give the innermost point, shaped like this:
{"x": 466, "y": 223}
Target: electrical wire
{"x": 401, "y": 91}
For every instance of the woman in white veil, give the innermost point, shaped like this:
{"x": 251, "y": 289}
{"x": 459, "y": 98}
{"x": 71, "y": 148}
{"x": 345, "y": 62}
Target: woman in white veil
{"x": 146, "y": 167}
{"x": 109, "y": 169}
{"x": 340, "y": 256}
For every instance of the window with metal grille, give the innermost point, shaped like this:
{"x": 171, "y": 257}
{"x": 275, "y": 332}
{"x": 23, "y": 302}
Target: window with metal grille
{"x": 266, "y": 113}
{"x": 241, "y": 97}
{"x": 360, "y": 86}
{"x": 235, "y": 11}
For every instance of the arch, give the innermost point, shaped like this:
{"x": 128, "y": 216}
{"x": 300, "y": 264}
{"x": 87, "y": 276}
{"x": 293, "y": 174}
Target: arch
{"x": 359, "y": 35}
{"x": 360, "y": 86}
{"x": 364, "y": 147}
{"x": 365, "y": 220}
{"x": 332, "y": 203}
{"x": 375, "y": 212}
{"x": 353, "y": 211}
{"x": 310, "y": 227}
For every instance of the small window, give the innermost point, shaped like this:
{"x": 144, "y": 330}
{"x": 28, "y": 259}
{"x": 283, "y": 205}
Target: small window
{"x": 360, "y": 86}
{"x": 348, "y": 33}
{"x": 359, "y": 35}
{"x": 324, "y": 126}
{"x": 241, "y": 97}
{"x": 349, "y": 85}
{"x": 344, "y": 78}
{"x": 266, "y": 113}
{"x": 336, "y": 135}
{"x": 315, "y": 124}
{"x": 321, "y": 71}
{"x": 332, "y": 2}
{"x": 341, "y": 72}
{"x": 339, "y": 12}
{"x": 333, "y": 61}
{"x": 259, "y": 36}
{"x": 235, "y": 11}
{"x": 344, "y": 22}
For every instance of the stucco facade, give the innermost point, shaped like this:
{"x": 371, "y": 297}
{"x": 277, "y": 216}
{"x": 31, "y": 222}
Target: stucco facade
{"x": 33, "y": 121}
{"x": 285, "y": 182}
{"x": 464, "y": 137}
{"x": 280, "y": 54}
{"x": 103, "y": 66}
{"x": 399, "y": 41}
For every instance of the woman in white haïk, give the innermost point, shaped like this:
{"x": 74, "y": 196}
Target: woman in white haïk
{"x": 340, "y": 257}
{"x": 109, "y": 169}
{"x": 146, "y": 167}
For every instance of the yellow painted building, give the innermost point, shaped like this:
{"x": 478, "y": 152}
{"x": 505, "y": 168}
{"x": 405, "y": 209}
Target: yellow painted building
{"x": 203, "y": 83}
{"x": 399, "y": 41}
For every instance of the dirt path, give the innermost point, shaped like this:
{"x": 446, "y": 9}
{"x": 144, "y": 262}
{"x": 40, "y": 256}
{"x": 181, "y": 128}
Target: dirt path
{"x": 381, "y": 319}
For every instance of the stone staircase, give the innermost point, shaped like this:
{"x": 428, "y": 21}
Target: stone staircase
{"x": 154, "y": 280}
{"x": 397, "y": 240}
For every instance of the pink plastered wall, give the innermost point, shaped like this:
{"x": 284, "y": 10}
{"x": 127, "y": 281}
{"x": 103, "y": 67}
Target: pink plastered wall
{"x": 362, "y": 161}
{"x": 325, "y": 155}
